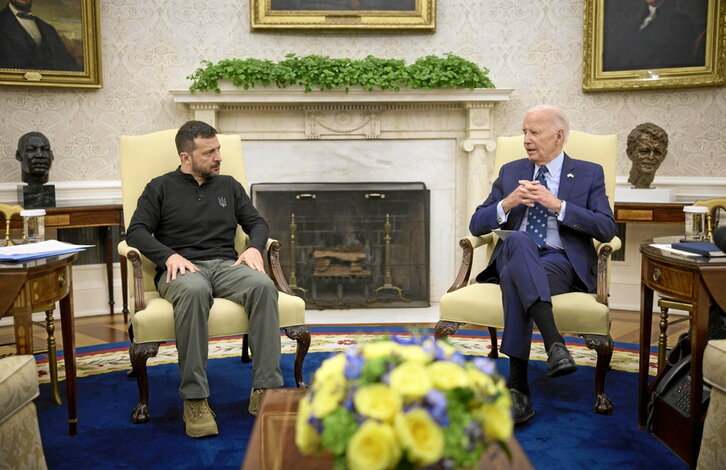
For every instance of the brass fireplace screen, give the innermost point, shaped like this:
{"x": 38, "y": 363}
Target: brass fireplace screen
{"x": 351, "y": 245}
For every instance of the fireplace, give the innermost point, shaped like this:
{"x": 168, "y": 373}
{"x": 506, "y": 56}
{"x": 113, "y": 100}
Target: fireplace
{"x": 351, "y": 245}
{"x": 443, "y": 138}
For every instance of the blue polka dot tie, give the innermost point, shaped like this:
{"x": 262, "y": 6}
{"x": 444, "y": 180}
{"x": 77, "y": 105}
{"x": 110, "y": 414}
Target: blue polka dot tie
{"x": 537, "y": 218}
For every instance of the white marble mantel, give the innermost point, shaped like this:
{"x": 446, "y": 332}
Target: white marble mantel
{"x": 288, "y": 114}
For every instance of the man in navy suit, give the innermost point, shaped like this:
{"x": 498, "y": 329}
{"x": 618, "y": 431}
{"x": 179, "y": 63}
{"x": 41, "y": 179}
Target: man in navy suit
{"x": 555, "y": 206}
{"x": 27, "y": 42}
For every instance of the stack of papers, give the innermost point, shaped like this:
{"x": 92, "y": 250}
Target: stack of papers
{"x": 31, "y": 251}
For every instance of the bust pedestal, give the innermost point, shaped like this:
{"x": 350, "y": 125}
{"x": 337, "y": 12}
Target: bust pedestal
{"x": 654, "y": 195}
{"x": 36, "y": 196}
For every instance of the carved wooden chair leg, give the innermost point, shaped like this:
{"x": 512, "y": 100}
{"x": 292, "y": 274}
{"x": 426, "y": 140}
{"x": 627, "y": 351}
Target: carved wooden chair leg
{"x": 139, "y": 354}
{"x": 245, "y": 350}
{"x": 494, "y": 353}
{"x": 301, "y": 334}
{"x": 603, "y": 345}
{"x": 446, "y": 328}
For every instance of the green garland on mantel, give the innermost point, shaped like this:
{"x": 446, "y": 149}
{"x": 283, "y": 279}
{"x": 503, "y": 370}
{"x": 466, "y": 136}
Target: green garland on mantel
{"x": 325, "y": 73}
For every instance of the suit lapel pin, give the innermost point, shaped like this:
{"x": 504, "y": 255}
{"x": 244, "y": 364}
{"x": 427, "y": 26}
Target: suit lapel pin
{"x": 570, "y": 175}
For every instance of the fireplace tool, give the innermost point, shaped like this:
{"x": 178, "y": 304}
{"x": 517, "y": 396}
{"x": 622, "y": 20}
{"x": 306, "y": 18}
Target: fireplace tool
{"x": 387, "y": 279}
{"x": 293, "y": 260}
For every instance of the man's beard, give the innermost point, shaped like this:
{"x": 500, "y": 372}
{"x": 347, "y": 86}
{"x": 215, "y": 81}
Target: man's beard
{"x": 205, "y": 175}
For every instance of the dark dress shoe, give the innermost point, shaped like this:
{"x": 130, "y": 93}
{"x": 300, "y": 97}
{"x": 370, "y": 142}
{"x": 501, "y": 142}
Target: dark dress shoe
{"x": 559, "y": 361}
{"x": 522, "y": 410}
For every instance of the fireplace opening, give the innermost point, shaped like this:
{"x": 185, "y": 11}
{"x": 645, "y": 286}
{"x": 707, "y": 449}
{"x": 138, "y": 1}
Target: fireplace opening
{"x": 351, "y": 245}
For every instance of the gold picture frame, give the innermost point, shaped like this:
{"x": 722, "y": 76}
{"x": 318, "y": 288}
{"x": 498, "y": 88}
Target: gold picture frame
{"x": 618, "y": 56}
{"x": 343, "y": 15}
{"x": 69, "y": 54}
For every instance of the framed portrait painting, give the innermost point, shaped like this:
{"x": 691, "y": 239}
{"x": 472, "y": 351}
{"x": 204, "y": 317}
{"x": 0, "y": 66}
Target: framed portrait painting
{"x": 651, "y": 44}
{"x": 50, "y": 43}
{"x": 343, "y": 15}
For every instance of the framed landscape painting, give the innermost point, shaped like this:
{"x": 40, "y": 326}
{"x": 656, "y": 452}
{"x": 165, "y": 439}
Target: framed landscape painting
{"x": 343, "y": 15}
{"x": 50, "y": 43}
{"x": 651, "y": 44}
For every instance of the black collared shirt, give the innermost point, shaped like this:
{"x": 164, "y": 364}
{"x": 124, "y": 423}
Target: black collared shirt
{"x": 175, "y": 214}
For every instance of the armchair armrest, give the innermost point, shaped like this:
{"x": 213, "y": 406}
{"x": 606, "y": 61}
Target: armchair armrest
{"x": 468, "y": 245}
{"x": 134, "y": 255}
{"x": 273, "y": 261}
{"x": 604, "y": 251}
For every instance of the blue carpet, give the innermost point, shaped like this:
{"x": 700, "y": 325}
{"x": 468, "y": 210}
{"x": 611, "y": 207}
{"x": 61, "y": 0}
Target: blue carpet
{"x": 564, "y": 434}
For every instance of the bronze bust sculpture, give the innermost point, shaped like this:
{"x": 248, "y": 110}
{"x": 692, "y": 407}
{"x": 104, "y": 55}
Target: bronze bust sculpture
{"x": 646, "y": 147}
{"x": 35, "y": 157}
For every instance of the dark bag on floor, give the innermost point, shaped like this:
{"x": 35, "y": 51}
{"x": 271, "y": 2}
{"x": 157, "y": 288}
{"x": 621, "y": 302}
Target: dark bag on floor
{"x": 674, "y": 386}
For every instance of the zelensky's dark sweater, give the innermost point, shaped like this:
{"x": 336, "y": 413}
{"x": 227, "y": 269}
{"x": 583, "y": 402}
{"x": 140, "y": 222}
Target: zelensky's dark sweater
{"x": 175, "y": 214}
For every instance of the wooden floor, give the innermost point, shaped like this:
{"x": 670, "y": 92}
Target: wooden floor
{"x": 102, "y": 329}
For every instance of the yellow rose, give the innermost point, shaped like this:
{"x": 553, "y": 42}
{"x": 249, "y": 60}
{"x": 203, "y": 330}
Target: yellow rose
{"x": 332, "y": 369}
{"x": 306, "y": 437}
{"x": 377, "y": 401}
{"x": 447, "y": 349}
{"x": 373, "y": 447}
{"x": 411, "y": 380}
{"x": 326, "y": 398}
{"x": 379, "y": 349}
{"x": 414, "y": 353}
{"x": 420, "y": 436}
{"x": 447, "y": 375}
{"x": 504, "y": 400}
{"x": 496, "y": 422}
{"x": 480, "y": 382}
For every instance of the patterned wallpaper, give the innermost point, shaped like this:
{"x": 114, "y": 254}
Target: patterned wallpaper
{"x": 534, "y": 47}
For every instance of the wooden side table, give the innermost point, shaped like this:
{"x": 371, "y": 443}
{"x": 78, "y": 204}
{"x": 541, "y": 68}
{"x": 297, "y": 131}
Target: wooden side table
{"x": 649, "y": 213}
{"x": 272, "y": 443}
{"x": 35, "y": 286}
{"x": 105, "y": 216}
{"x": 700, "y": 282}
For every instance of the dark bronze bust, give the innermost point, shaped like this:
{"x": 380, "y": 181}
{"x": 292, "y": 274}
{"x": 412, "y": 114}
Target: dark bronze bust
{"x": 35, "y": 157}
{"x": 647, "y": 147}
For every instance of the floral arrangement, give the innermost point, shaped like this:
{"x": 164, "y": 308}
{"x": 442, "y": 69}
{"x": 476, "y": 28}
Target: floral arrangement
{"x": 404, "y": 403}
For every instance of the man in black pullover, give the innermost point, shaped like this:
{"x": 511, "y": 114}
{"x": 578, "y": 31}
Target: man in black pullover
{"x": 185, "y": 223}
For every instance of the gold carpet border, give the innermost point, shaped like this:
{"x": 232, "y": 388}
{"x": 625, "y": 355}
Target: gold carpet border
{"x": 102, "y": 362}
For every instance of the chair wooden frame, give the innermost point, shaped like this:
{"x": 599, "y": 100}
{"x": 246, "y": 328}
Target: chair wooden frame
{"x": 601, "y": 344}
{"x": 226, "y": 318}
{"x": 597, "y": 337}
{"x": 139, "y": 353}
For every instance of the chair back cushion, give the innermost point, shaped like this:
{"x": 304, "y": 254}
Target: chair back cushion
{"x": 601, "y": 149}
{"x": 144, "y": 157}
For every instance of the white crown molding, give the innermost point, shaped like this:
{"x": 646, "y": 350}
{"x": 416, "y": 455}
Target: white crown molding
{"x": 230, "y": 95}
{"x": 686, "y": 188}
{"x": 78, "y": 193}
{"x": 72, "y": 193}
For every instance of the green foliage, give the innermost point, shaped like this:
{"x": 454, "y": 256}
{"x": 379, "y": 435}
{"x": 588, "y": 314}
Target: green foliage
{"x": 325, "y": 73}
{"x": 372, "y": 370}
{"x": 339, "y": 427}
{"x": 457, "y": 446}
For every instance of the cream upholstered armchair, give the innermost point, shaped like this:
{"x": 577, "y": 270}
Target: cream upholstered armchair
{"x": 20, "y": 441}
{"x": 152, "y": 321}
{"x": 579, "y": 313}
{"x": 712, "y": 454}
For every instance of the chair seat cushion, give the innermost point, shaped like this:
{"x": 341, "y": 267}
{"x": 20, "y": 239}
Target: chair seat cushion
{"x": 481, "y": 304}
{"x": 714, "y": 364}
{"x": 156, "y": 322}
{"x": 18, "y": 384}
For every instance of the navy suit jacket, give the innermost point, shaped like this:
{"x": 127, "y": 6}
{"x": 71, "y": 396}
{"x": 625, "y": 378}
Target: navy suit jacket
{"x": 19, "y": 51}
{"x": 587, "y": 216}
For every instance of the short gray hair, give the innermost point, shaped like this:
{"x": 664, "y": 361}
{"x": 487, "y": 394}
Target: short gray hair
{"x": 558, "y": 116}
